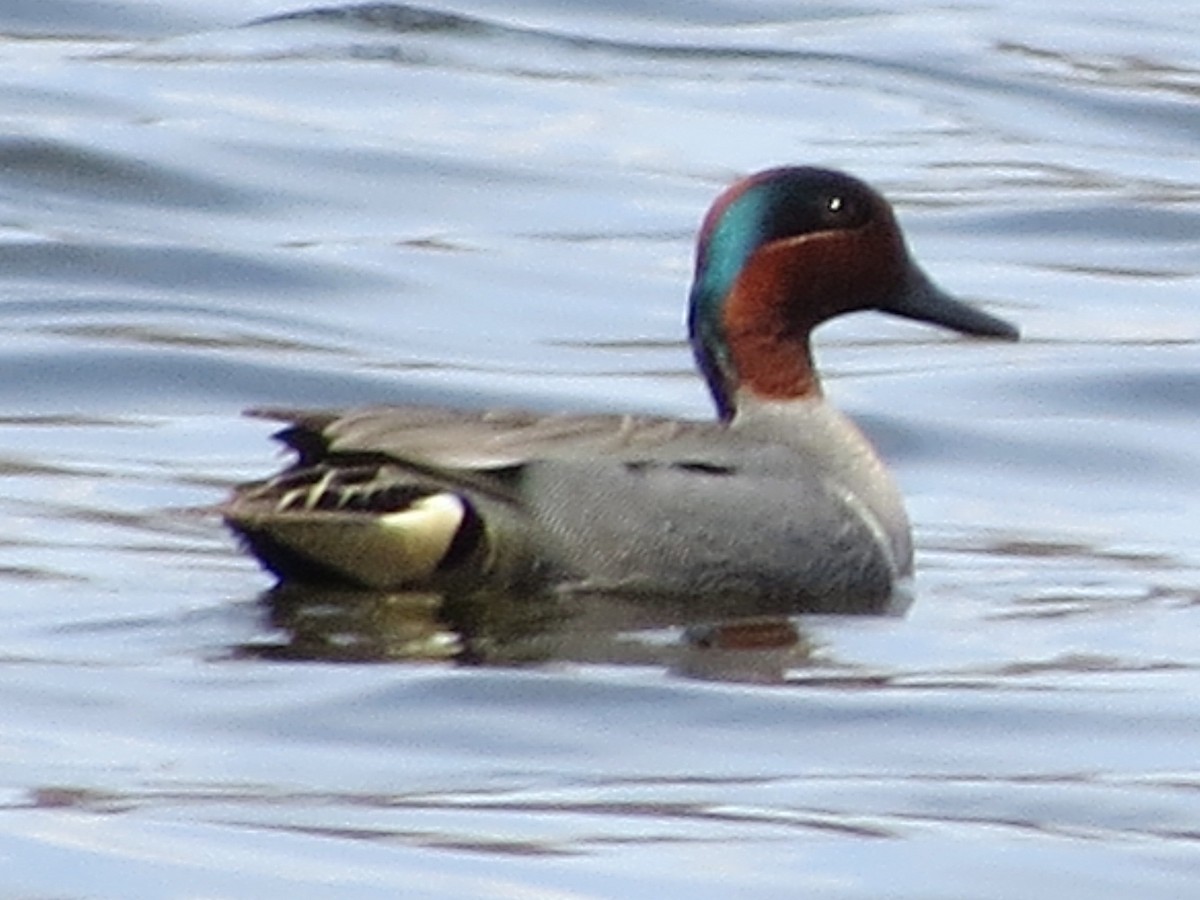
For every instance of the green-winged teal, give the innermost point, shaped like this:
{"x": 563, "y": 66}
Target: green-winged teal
{"x": 779, "y": 505}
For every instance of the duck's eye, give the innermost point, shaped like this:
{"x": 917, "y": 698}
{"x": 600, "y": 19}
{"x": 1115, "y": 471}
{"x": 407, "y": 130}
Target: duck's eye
{"x": 840, "y": 211}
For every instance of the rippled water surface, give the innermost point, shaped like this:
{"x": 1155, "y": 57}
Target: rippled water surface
{"x": 211, "y": 206}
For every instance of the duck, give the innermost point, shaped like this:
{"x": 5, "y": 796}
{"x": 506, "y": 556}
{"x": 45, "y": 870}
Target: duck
{"x": 777, "y": 505}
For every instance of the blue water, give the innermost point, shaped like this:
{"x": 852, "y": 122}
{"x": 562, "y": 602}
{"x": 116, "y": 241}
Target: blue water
{"x": 200, "y": 215}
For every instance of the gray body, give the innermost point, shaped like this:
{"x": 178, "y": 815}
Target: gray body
{"x": 787, "y": 508}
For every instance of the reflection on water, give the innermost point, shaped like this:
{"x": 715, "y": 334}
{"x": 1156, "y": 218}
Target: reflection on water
{"x": 492, "y": 627}
{"x": 326, "y": 625}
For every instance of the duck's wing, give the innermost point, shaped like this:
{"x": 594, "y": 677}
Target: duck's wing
{"x": 400, "y": 495}
{"x": 447, "y": 440}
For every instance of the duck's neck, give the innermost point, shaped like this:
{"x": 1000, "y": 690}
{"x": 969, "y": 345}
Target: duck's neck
{"x": 773, "y": 366}
{"x": 767, "y": 334}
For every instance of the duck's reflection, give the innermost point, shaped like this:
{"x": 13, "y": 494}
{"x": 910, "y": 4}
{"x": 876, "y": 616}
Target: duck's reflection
{"x": 493, "y": 627}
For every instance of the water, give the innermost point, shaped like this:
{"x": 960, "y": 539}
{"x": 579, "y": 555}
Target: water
{"x": 199, "y": 216}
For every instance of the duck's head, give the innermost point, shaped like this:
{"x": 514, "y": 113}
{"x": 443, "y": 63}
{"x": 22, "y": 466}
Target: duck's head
{"x": 784, "y": 250}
